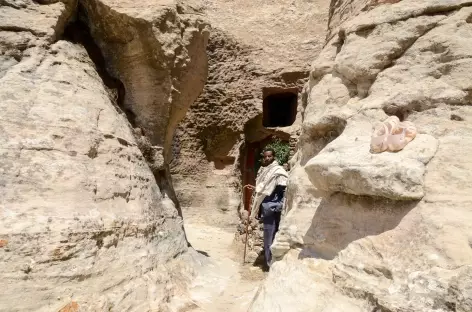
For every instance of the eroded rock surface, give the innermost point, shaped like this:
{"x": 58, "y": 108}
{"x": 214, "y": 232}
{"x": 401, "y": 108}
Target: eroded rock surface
{"x": 389, "y": 231}
{"x": 253, "y": 45}
{"x": 85, "y": 224}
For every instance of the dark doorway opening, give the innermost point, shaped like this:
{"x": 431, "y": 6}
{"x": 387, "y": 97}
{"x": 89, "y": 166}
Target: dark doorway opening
{"x": 279, "y": 107}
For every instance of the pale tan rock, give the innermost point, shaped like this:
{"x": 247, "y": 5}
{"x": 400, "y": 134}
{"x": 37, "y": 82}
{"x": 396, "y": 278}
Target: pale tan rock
{"x": 86, "y": 224}
{"x": 282, "y": 35}
{"x": 437, "y": 71}
{"x": 346, "y": 165}
{"x": 162, "y": 69}
{"x": 301, "y": 198}
{"x": 22, "y": 16}
{"x": 394, "y": 231}
{"x": 20, "y": 27}
{"x": 280, "y": 292}
{"x": 325, "y": 61}
{"x": 328, "y": 106}
{"x": 386, "y": 42}
{"x": 401, "y": 10}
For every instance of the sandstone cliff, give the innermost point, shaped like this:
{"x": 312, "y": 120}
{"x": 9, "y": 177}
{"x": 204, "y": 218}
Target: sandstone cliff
{"x": 90, "y": 95}
{"x": 254, "y": 45}
{"x": 389, "y": 231}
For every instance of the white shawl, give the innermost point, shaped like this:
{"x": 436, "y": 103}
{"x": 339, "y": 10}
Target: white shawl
{"x": 267, "y": 179}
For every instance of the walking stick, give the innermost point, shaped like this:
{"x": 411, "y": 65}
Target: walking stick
{"x": 247, "y": 221}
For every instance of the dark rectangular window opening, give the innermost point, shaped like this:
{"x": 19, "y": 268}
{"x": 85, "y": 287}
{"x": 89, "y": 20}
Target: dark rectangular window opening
{"x": 279, "y": 107}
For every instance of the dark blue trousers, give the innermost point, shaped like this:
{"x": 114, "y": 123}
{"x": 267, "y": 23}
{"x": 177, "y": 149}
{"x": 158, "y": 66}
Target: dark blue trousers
{"x": 271, "y": 226}
{"x": 271, "y": 209}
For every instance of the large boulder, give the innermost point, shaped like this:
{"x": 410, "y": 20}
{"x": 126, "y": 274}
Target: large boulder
{"x": 347, "y": 165}
{"x": 158, "y": 53}
{"x": 388, "y": 231}
{"x": 84, "y": 223}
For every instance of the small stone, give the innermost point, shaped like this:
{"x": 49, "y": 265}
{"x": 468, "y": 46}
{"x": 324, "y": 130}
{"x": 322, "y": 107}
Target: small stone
{"x": 251, "y": 256}
{"x": 70, "y": 307}
{"x": 456, "y": 117}
{"x": 26, "y": 268}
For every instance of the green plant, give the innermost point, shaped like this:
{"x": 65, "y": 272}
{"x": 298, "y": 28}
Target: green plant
{"x": 282, "y": 150}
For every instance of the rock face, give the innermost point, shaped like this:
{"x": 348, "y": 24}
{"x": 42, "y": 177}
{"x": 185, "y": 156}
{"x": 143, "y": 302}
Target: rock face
{"x": 251, "y": 51}
{"x": 346, "y": 165}
{"x": 88, "y": 220}
{"x": 388, "y": 231}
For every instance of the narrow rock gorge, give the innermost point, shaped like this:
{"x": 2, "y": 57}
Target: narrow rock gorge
{"x": 127, "y": 130}
{"x": 251, "y": 56}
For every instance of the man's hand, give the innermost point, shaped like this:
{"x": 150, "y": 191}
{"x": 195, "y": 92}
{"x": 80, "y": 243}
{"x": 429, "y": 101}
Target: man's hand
{"x": 249, "y": 186}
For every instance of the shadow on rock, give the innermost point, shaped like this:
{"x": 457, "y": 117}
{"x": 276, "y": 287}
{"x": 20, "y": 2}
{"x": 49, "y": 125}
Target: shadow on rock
{"x": 342, "y": 218}
{"x": 203, "y": 253}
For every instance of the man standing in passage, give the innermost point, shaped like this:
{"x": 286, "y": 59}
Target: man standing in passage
{"x": 271, "y": 183}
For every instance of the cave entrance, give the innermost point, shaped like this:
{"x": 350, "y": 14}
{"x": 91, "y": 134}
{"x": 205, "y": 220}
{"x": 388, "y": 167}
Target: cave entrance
{"x": 279, "y": 106}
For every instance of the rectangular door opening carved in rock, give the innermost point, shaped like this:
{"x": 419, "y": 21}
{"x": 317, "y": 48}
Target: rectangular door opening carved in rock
{"x": 279, "y": 106}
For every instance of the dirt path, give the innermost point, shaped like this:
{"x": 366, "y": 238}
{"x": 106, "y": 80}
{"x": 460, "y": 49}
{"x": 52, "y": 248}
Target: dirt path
{"x": 224, "y": 285}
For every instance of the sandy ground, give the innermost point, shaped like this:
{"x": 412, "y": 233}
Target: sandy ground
{"x": 225, "y": 284}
